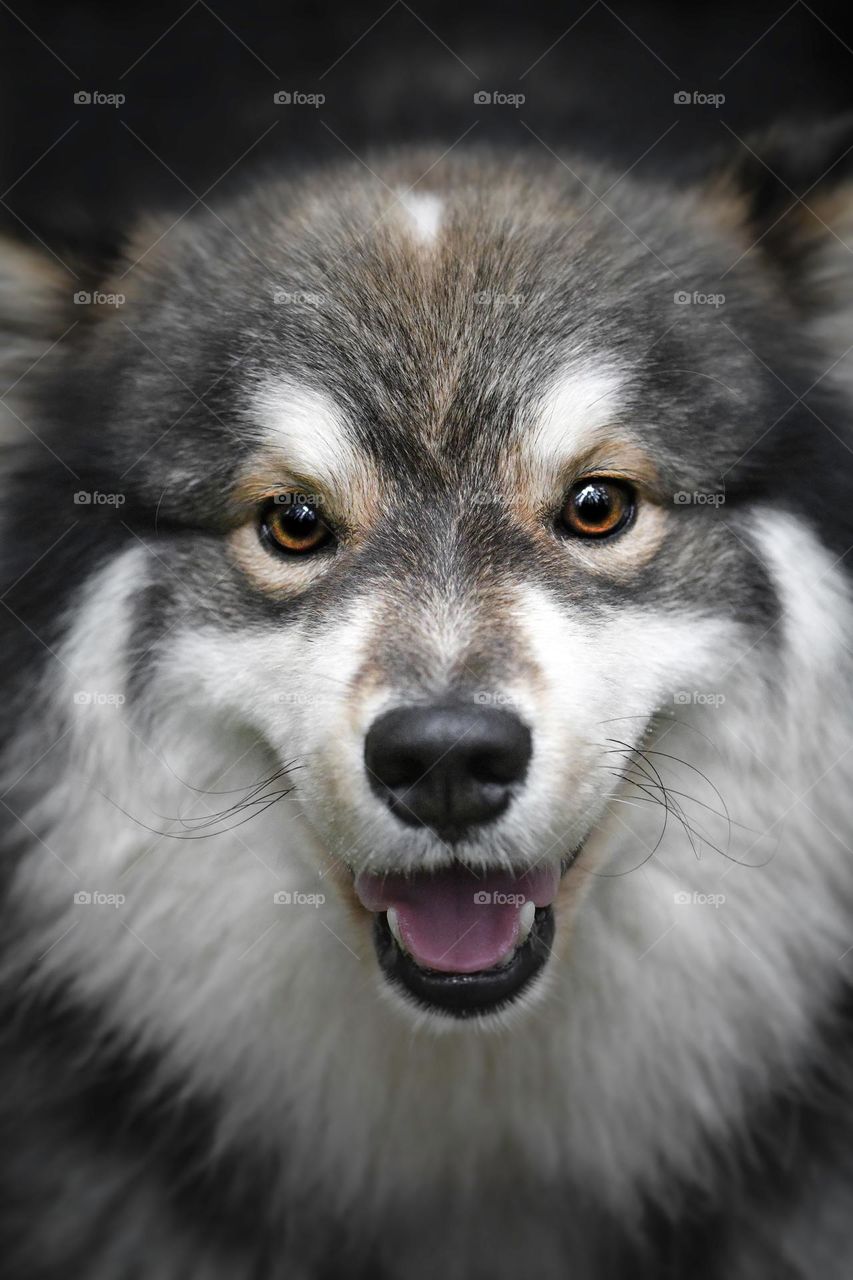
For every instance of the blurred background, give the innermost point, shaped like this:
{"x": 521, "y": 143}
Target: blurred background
{"x": 109, "y": 109}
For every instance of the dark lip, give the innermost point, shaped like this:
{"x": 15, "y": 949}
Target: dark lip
{"x": 466, "y": 995}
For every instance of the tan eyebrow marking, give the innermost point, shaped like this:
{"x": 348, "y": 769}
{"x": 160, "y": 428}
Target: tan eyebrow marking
{"x": 305, "y": 445}
{"x": 539, "y": 483}
{"x": 353, "y": 499}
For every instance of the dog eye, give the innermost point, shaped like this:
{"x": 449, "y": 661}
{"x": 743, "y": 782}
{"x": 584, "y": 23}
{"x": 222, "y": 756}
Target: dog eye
{"x": 597, "y": 508}
{"x": 291, "y": 525}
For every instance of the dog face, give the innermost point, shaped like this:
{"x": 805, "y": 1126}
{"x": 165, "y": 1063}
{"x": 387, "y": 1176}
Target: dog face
{"x": 440, "y": 499}
{"x": 414, "y": 603}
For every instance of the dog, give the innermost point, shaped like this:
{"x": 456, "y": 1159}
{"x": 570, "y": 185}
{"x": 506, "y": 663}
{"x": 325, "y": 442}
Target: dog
{"x": 427, "y": 747}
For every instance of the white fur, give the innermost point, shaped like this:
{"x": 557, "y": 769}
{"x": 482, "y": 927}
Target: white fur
{"x": 424, "y": 214}
{"x": 309, "y": 429}
{"x": 586, "y": 401}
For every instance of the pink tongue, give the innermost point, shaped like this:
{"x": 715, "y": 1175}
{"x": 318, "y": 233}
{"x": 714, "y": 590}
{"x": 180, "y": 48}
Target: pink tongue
{"x": 455, "y": 921}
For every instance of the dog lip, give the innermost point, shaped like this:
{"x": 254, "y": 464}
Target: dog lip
{"x": 466, "y": 995}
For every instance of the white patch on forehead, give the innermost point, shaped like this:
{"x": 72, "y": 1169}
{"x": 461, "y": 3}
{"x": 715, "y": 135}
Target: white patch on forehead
{"x": 309, "y": 429}
{"x": 579, "y": 406}
{"x": 424, "y": 214}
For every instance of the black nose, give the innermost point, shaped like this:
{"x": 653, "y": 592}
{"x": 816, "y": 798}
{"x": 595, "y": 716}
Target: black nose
{"x": 447, "y": 767}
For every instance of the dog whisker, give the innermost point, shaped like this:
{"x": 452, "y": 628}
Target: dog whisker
{"x": 651, "y": 784}
{"x": 205, "y": 826}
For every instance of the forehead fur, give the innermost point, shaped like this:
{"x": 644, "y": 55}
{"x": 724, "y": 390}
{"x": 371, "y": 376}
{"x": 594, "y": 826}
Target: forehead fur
{"x": 579, "y": 426}
{"x": 442, "y": 315}
{"x": 435, "y": 314}
{"x": 423, "y": 212}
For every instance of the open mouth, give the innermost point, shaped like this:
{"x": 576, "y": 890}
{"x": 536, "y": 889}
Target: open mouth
{"x": 462, "y": 943}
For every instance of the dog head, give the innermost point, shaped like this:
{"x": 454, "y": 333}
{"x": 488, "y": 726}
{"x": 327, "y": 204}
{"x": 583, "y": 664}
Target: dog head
{"x": 426, "y": 502}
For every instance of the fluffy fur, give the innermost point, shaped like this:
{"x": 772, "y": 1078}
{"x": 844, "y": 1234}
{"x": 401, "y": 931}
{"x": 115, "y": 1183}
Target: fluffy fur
{"x": 214, "y": 1083}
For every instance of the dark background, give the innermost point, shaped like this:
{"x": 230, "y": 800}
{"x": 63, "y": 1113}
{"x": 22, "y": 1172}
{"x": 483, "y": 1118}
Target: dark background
{"x": 199, "y": 80}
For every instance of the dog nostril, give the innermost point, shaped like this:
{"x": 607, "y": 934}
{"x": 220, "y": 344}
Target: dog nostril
{"x": 447, "y": 767}
{"x": 397, "y": 770}
{"x": 493, "y": 766}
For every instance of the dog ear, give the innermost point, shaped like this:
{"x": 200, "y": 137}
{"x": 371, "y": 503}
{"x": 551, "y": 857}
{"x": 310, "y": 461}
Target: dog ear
{"x": 36, "y": 296}
{"x": 793, "y": 188}
{"x": 34, "y": 289}
{"x": 47, "y": 300}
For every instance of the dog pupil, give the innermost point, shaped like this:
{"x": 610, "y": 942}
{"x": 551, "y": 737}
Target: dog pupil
{"x": 300, "y": 521}
{"x": 594, "y": 504}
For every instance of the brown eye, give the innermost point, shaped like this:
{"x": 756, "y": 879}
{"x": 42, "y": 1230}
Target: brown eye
{"x": 597, "y": 508}
{"x": 292, "y": 525}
